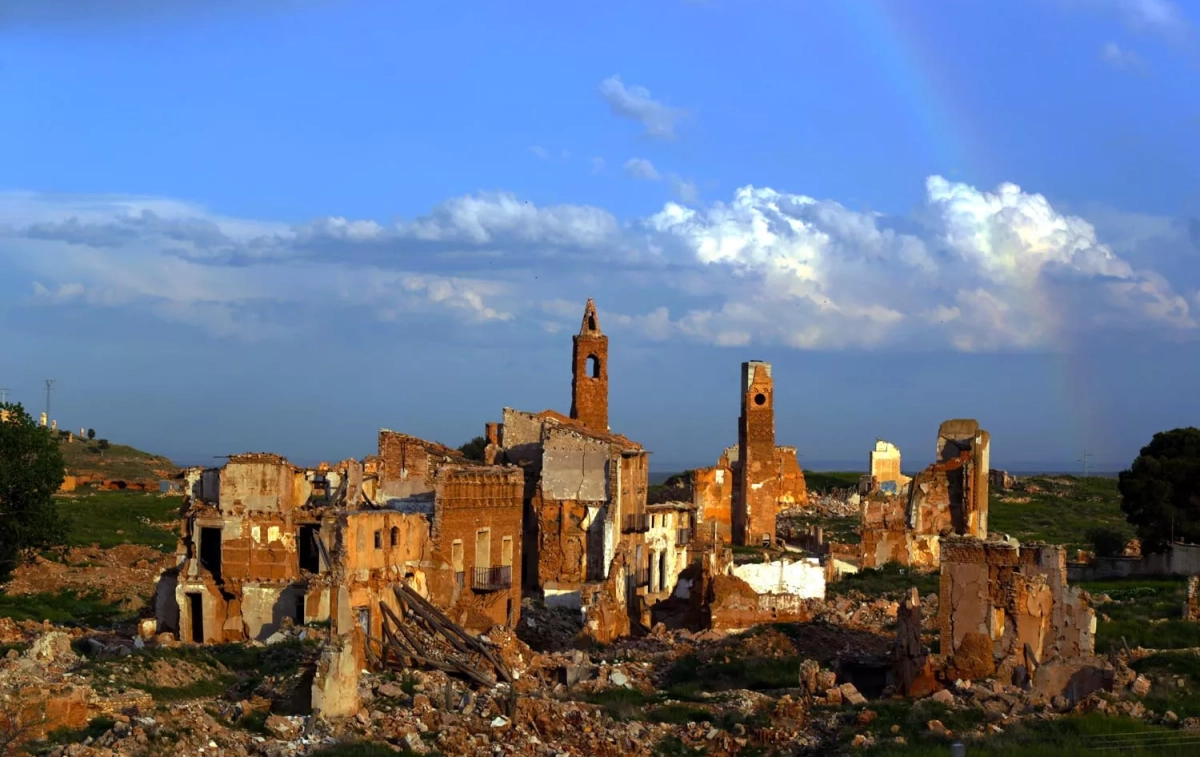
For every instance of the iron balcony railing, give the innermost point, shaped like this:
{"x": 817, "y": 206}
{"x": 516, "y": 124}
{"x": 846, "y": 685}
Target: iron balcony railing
{"x": 492, "y": 579}
{"x": 637, "y": 524}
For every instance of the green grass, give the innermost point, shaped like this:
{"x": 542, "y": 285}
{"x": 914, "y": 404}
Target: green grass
{"x": 365, "y": 749}
{"x": 239, "y": 667}
{"x": 843, "y": 530}
{"x": 114, "y": 518}
{"x": 1063, "y": 512}
{"x": 63, "y": 607}
{"x": 95, "y": 728}
{"x": 692, "y": 674}
{"x": 1146, "y": 612}
{"x": 823, "y": 481}
{"x": 891, "y": 579}
{"x": 119, "y": 461}
{"x": 1069, "y": 736}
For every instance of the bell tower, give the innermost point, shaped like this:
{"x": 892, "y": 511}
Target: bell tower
{"x": 754, "y": 510}
{"x": 589, "y": 373}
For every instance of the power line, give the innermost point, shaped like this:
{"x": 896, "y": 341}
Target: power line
{"x": 1085, "y": 460}
{"x": 49, "y": 386}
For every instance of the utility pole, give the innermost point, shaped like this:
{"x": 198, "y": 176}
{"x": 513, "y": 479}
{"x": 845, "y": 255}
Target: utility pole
{"x": 49, "y": 386}
{"x": 1086, "y": 461}
{"x": 3, "y": 395}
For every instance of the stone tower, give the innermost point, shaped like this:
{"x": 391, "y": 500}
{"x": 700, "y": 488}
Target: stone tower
{"x": 589, "y": 373}
{"x": 754, "y": 508}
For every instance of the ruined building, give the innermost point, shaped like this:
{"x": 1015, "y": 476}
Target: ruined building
{"x": 885, "y": 468}
{"x": 589, "y": 536}
{"x": 1006, "y": 608}
{"x": 776, "y": 481}
{"x": 949, "y": 497}
{"x": 264, "y": 542}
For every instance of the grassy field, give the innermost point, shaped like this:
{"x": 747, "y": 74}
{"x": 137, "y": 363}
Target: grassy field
{"x": 114, "y": 518}
{"x": 823, "y": 481}
{"x": 1144, "y": 612}
{"x": 118, "y": 461}
{"x": 1059, "y": 510}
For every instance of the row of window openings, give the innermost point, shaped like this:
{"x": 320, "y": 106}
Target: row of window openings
{"x": 210, "y": 549}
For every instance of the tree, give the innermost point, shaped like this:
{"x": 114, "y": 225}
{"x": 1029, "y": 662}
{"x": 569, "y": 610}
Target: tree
{"x": 91, "y": 434}
{"x": 1106, "y": 542}
{"x": 103, "y": 445}
{"x": 31, "y": 471}
{"x": 473, "y": 450}
{"x": 1160, "y": 492}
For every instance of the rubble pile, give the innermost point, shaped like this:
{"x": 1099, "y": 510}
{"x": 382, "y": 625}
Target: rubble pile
{"x": 121, "y": 575}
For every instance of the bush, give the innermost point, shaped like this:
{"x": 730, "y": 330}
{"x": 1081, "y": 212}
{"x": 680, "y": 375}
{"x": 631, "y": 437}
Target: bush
{"x": 1106, "y": 542}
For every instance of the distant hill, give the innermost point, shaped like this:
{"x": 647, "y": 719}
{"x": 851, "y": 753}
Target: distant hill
{"x": 88, "y": 462}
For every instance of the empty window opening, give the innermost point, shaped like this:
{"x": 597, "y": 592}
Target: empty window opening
{"x": 299, "y": 616}
{"x": 320, "y": 487}
{"x": 509, "y": 613}
{"x": 364, "y": 620}
{"x": 506, "y": 550}
{"x": 593, "y": 366}
{"x": 395, "y": 536}
{"x": 379, "y": 540}
{"x": 483, "y": 548}
{"x": 766, "y": 540}
{"x": 591, "y": 323}
{"x": 210, "y": 551}
{"x": 662, "y": 570}
{"x": 310, "y": 553}
{"x": 196, "y": 611}
{"x": 760, "y": 399}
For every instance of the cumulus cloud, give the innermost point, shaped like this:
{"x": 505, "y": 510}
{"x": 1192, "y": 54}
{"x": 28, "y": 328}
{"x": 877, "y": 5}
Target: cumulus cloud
{"x": 1128, "y": 60}
{"x": 998, "y": 269}
{"x": 637, "y": 104}
{"x": 640, "y": 168}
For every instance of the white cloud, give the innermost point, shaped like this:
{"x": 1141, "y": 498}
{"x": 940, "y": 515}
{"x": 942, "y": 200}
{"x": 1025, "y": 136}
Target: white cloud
{"x": 597, "y": 165}
{"x": 539, "y": 152}
{"x": 640, "y": 168}
{"x": 999, "y": 269}
{"x": 637, "y": 104}
{"x": 1128, "y": 60}
{"x": 1160, "y": 16}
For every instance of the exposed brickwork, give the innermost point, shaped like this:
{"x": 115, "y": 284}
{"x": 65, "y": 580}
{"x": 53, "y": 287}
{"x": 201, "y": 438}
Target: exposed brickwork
{"x": 754, "y": 509}
{"x": 408, "y": 465}
{"x": 471, "y": 501}
{"x": 589, "y": 373}
{"x": 790, "y": 487}
{"x": 948, "y": 497}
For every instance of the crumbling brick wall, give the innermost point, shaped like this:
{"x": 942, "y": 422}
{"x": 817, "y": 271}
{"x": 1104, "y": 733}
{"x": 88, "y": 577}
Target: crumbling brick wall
{"x": 790, "y": 487}
{"x": 480, "y": 509}
{"x": 947, "y": 498}
{"x": 997, "y": 598}
{"x": 408, "y": 465}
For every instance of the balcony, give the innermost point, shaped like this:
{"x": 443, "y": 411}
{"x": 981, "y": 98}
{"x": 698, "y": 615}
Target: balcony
{"x": 683, "y": 536}
{"x": 636, "y": 524}
{"x": 492, "y": 579}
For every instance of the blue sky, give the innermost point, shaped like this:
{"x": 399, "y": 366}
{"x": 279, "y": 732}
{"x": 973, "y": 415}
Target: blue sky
{"x": 270, "y": 225}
